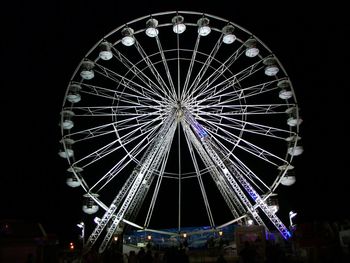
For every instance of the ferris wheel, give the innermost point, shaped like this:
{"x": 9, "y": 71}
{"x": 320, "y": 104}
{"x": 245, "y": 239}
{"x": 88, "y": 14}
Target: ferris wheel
{"x": 178, "y": 97}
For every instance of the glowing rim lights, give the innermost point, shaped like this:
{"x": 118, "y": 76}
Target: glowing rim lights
{"x": 106, "y": 55}
{"x": 67, "y": 123}
{"x": 271, "y": 66}
{"x": 252, "y": 50}
{"x": 273, "y": 208}
{"x": 178, "y": 26}
{"x": 285, "y": 94}
{"x": 105, "y": 51}
{"x": 295, "y": 151}
{"x": 67, "y": 152}
{"x": 203, "y": 26}
{"x": 86, "y": 70}
{"x": 90, "y": 207}
{"x": 90, "y": 210}
{"x": 72, "y": 179}
{"x": 271, "y": 70}
{"x": 128, "y": 39}
{"x": 87, "y": 74}
{"x": 288, "y": 180}
{"x": 74, "y": 98}
{"x": 229, "y": 39}
{"x": 151, "y": 30}
{"x": 72, "y": 182}
{"x": 204, "y": 31}
{"x": 294, "y": 121}
{"x": 73, "y": 95}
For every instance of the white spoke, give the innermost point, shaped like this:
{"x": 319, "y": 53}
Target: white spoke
{"x": 155, "y": 72}
{"x": 233, "y": 80}
{"x": 138, "y": 73}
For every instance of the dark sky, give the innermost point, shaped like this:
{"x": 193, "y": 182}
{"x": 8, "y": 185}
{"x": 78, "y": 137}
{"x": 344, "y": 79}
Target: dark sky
{"x": 43, "y": 42}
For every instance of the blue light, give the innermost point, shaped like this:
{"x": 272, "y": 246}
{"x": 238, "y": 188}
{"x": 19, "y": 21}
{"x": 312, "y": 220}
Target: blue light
{"x": 287, "y": 235}
{"x": 199, "y": 129}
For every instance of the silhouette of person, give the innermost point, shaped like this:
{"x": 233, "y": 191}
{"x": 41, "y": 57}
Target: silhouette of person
{"x": 132, "y": 258}
{"x": 141, "y": 254}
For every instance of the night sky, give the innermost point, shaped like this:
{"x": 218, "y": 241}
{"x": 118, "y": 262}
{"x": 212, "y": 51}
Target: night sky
{"x": 43, "y": 42}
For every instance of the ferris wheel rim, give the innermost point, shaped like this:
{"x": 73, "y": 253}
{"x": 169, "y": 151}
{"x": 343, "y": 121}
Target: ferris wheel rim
{"x": 220, "y": 127}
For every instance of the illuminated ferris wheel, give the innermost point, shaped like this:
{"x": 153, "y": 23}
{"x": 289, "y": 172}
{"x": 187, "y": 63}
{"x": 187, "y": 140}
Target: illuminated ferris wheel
{"x": 177, "y": 97}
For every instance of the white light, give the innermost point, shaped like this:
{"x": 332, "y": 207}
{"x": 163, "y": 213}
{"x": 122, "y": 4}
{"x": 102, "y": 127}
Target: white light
{"x": 293, "y": 138}
{"x": 90, "y": 209}
{"x": 179, "y": 28}
{"x": 72, "y": 182}
{"x": 86, "y": 70}
{"x": 73, "y": 94}
{"x": 81, "y": 225}
{"x": 288, "y": 180}
{"x": 66, "y": 154}
{"x": 128, "y": 41}
{"x": 97, "y": 220}
{"x": 229, "y": 39}
{"x": 105, "y": 50}
{"x": 285, "y": 94}
{"x": 294, "y": 121}
{"x": 292, "y": 214}
{"x": 204, "y": 31}
{"x": 106, "y": 55}
{"x": 295, "y": 151}
{"x": 273, "y": 208}
{"x": 285, "y": 166}
{"x": 87, "y": 74}
{"x": 203, "y": 26}
{"x": 67, "y": 124}
{"x": 252, "y": 52}
{"x": 73, "y": 98}
{"x": 271, "y": 70}
{"x": 250, "y": 222}
{"x": 75, "y": 169}
{"x": 89, "y": 206}
{"x": 152, "y": 32}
